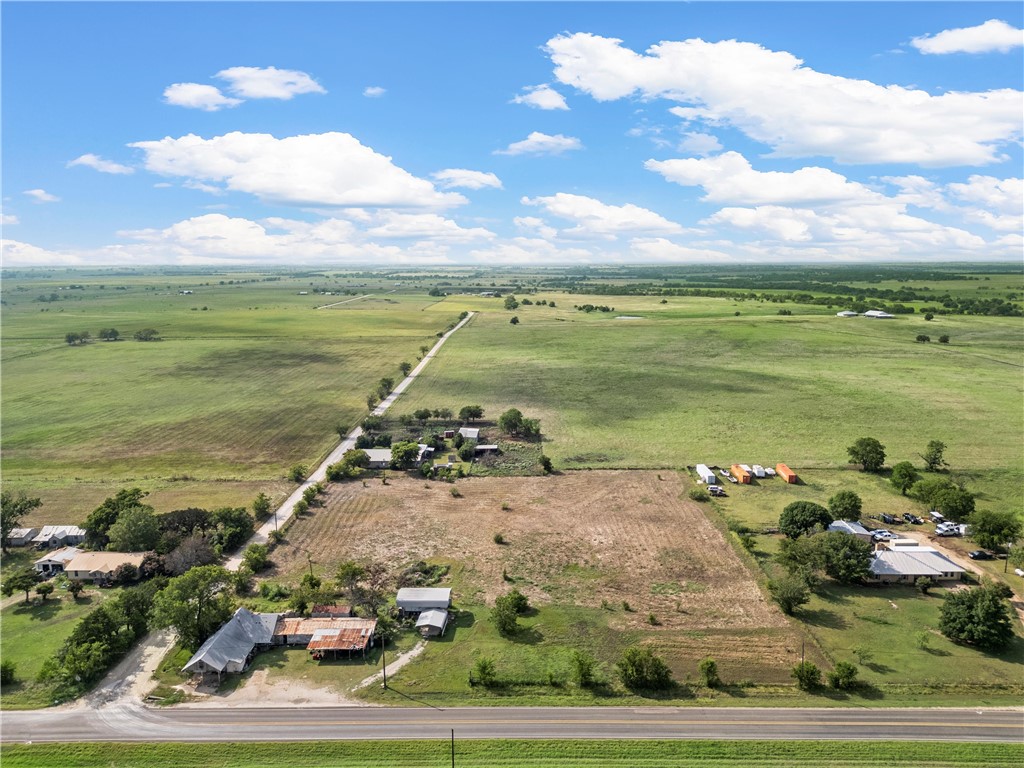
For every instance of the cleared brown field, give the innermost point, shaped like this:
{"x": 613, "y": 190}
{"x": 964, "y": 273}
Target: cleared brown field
{"x": 579, "y": 537}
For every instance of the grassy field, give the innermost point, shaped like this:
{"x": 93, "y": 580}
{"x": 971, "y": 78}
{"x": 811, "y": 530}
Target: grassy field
{"x": 692, "y": 382}
{"x": 518, "y": 754}
{"x": 32, "y": 634}
{"x": 249, "y": 379}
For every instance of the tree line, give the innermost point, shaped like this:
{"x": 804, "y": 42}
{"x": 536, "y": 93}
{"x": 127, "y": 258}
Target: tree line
{"x": 110, "y": 334}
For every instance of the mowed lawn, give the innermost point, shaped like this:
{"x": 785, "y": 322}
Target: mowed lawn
{"x": 690, "y": 381}
{"x": 238, "y": 391}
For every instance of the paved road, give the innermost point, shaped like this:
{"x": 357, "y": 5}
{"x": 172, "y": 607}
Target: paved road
{"x": 136, "y": 723}
{"x": 286, "y": 510}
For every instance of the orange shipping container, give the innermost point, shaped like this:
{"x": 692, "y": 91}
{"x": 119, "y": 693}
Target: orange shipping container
{"x": 740, "y": 474}
{"x": 786, "y": 473}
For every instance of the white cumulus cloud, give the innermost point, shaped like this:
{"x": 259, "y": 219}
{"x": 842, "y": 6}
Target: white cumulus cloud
{"x": 993, "y": 35}
{"x": 41, "y": 196}
{"x": 541, "y": 97}
{"x": 594, "y": 218}
{"x": 424, "y": 226}
{"x": 98, "y": 163}
{"x": 8, "y": 219}
{"x": 268, "y": 82}
{"x": 699, "y": 143}
{"x": 538, "y": 143}
{"x": 374, "y": 91}
{"x": 198, "y": 96}
{"x": 450, "y": 178}
{"x": 773, "y": 98}
{"x": 327, "y": 169}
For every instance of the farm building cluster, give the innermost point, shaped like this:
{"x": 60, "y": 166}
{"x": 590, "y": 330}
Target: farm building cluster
{"x": 329, "y": 632}
{"x": 873, "y": 314}
{"x": 743, "y": 473}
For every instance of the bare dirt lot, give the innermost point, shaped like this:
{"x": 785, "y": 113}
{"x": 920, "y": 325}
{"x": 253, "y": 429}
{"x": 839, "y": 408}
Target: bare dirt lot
{"x": 579, "y": 537}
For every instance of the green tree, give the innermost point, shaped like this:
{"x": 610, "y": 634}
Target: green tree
{"x": 261, "y": 505}
{"x": 106, "y": 514}
{"x": 384, "y": 387}
{"x": 44, "y": 590}
{"x": 507, "y": 609}
{"x": 13, "y": 509}
{"x": 22, "y": 580}
{"x": 405, "y": 367}
{"x": 933, "y": 455}
{"x": 978, "y": 617}
{"x": 256, "y": 557}
{"x": 511, "y": 303}
{"x": 350, "y": 573}
{"x": 511, "y": 421}
{"x": 867, "y": 452}
{"x": 72, "y": 338}
{"x": 404, "y": 455}
{"x": 485, "y": 671}
{"x": 136, "y": 530}
{"x": 801, "y": 517}
{"x": 75, "y": 588}
{"x": 923, "y": 338}
{"x": 8, "y": 672}
{"x": 944, "y": 339}
{"x": 846, "y": 558}
{"x": 955, "y": 503}
{"x": 147, "y": 334}
{"x": 471, "y": 413}
{"x": 808, "y": 676}
{"x": 993, "y": 529}
{"x": 195, "y": 604}
{"x": 298, "y": 473}
{"x": 110, "y": 334}
{"x": 790, "y": 592}
{"x": 514, "y": 320}
{"x": 843, "y": 676}
{"x": 231, "y": 526}
{"x": 640, "y": 669}
{"x": 708, "y": 669}
{"x": 545, "y": 464}
{"x": 903, "y": 477}
{"x": 845, "y": 505}
{"x": 422, "y": 415}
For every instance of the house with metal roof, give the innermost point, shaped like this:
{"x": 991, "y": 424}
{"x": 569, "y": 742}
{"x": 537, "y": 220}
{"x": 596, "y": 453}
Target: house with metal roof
{"x": 906, "y": 565}
{"x": 852, "y": 528}
{"x": 231, "y": 648}
{"x": 20, "y": 537}
{"x": 326, "y": 635}
{"x": 100, "y": 566}
{"x": 55, "y": 562}
{"x": 470, "y": 433}
{"x": 59, "y": 536}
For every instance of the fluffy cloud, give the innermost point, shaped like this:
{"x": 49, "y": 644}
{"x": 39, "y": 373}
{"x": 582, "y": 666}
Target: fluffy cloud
{"x": 268, "y": 82}
{"x": 993, "y": 35}
{"x": 41, "y": 196}
{"x": 538, "y": 143}
{"x": 1001, "y": 202}
{"x": 541, "y": 97}
{"x": 198, "y": 96}
{"x": 18, "y": 254}
{"x": 424, "y": 226}
{"x": 594, "y": 218}
{"x": 537, "y": 226}
{"x": 8, "y": 219}
{"x": 773, "y": 98}
{"x": 374, "y": 91}
{"x": 98, "y": 163}
{"x": 450, "y": 178}
{"x": 699, "y": 143}
{"x": 660, "y": 249}
{"x": 327, "y": 169}
{"x": 729, "y": 177}
{"x": 530, "y": 250}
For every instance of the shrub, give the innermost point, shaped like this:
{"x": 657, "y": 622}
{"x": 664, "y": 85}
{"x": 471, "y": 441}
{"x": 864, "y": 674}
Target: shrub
{"x": 808, "y": 676}
{"x": 276, "y": 536}
{"x": 640, "y": 669}
{"x": 699, "y": 494}
{"x": 843, "y": 677}
{"x": 924, "y": 583}
{"x": 923, "y": 338}
{"x": 653, "y": 620}
{"x": 583, "y": 666}
{"x": 545, "y": 464}
{"x": 943, "y": 339}
{"x": 499, "y": 538}
{"x": 790, "y": 592}
{"x": 456, "y": 493}
{"x": 256, "y": 557}
{"x": 484, "y": 671}
{"x": 297, "y": 473}
{"x": 8, "y": 672}
{"x": 708, "y": 669}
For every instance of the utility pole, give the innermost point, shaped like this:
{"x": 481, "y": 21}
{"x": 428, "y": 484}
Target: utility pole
{"x": 453, "y": 748}
{"x": 384, "y": 661}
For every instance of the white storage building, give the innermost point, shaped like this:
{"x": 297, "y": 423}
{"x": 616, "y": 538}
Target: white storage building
{"x": 419, "y": 599}
{"x": 705, "y": 474}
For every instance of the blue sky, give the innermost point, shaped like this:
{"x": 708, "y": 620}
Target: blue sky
{"x": 522, "y": 133}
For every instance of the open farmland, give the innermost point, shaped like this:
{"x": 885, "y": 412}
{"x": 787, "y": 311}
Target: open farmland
{"x": 578, "y": 545}
{"x": 249, "y": 379}
{"x": 691, "y": 381}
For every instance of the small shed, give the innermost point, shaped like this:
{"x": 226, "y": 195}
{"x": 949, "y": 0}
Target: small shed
{"x": 758, "y": 470}
{"x": 432, "y": 623}
{"x": 853, "y": 529}
{"x": 413, "y": 600}
{"x": 741, "y": 475}
{"x": 59, "y": 536}
{"x": 786, "y": 473}
{"x": 470, "y": 433}
{"x": 330, "y": 611}
{"x": 486, "y": 449}
{"x": 846, "y": 313}
{"x": 20, "y": 537}
{"x": 380, "y": 458}
{"x": 705, "y": 474}
{"x": 449, "y": 434}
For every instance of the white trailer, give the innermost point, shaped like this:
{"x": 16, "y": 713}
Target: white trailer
{"x": 746, "y": 469}
{"x": 758, "y": 470}
{"x": 705, "y": 474}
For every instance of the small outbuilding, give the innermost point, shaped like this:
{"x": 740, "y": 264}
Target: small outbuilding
{"x": 470, "y": 433}
{"x": 742, "y": 475}
{"x": 846, "y": 313}
{"x": 55, "y": 562}
{"x": 706, "y": 475}
{"x": 432, "y": 623}
{"x": 54, "y": 536}
{"x": 21, "y": 537}
{"x": 758, "y": 470}
{"x": 380, "y": 458}
{"x": 852, "y": 528}
{"x": 786, "y": 473}
{"x": 414, "y": 600}
{"x": 878, "y": 314}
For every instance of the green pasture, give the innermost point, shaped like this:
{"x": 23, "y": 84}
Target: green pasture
{"x": 238, "y": 391}
{"x": 517, "y": 753}
{"x": 693, "y": 382}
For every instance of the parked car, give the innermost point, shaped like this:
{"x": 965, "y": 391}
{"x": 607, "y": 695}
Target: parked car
{"x": 980, "y": 554}
{"x": 947, "y": 529}
{"x": 724, "y": 473}
{"x": 716, "y": 490}
{"x": 883, "y": 535}
{"x": 888, "y": 519}
{"x": 912, "y": 519}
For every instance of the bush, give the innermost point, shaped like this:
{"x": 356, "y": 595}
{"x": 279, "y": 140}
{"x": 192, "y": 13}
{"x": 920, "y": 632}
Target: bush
{"x": 924, "y": 583}
{"x": 545, "y": 464}
{"x": 843, "y": 677}
{"x": 801, "y": 517}
{"x": 297, "y": 473}
{"x": 943, "y": 339}
{"x": 808, "y": 676}
{"x": 8, "y": 672}
{"x": 923, "y": 338}
{"x": 256, "y": 557}
{"x": 790, "y": 592}
{"x": 978, "y": 617}
{"x": 485, "y": 671}
{"x": 499, "y": 538}
{"x": 583, "y": 666}
{"x": 699, "y": 494}
{"x": 640, "y": 669}
{"x": 708, "y": 669}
